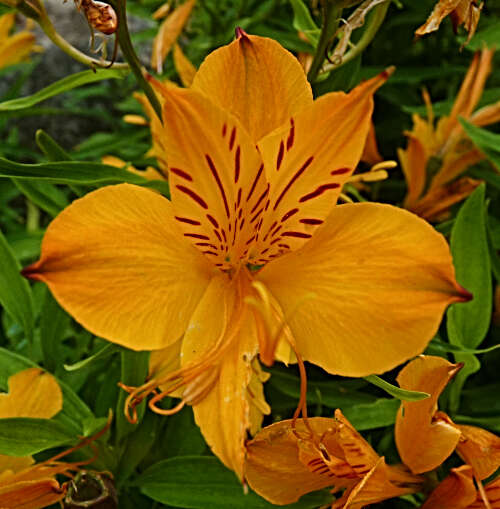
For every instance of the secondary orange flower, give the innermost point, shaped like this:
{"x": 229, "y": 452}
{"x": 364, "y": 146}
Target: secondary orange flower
{"x": 251, "y": 248}
{"x": 287, "y": 460}
{"x": 437, "y": 155}
{"x": 14, "y": 48}
{"x": 461, "y": 12}
{"x": 32, "y": 393}
{"x": 425, "y": 437}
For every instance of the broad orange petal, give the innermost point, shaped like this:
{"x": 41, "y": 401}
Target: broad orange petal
{"x": 217, "y": 178}
{"x": 308, "y": 160}
{"x": 168, "y": 32}
{"x": 424, "y": 438}
{"x": 480, "y": 449}
{"x": 6, "y": 24}
{"x": 274, "y": 468}
{"x": 257, "y": 80}
{"x": 357, "y": 303}
{"x": 32, "y": 393}
{"x": 457, "y": 491}
{"x": 117, "y": 261}
{"x": 454, "y": 164}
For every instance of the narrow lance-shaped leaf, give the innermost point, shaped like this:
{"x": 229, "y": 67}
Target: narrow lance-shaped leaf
{"x": 15, "y": 292}
{"x": 63, "y": 85}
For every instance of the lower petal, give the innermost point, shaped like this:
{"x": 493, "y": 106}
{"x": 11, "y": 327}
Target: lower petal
{"x": 368, "y": 291}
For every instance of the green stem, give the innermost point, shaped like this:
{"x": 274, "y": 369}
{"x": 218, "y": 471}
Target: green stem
{"x": 131, "y": 56}
{"x": 374, "y": 23}
{"x": 331, "y": 13}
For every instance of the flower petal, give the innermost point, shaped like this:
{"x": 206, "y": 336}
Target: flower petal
{"x": 425, "y": 439}
{"x": 414, "y": 161}
{"x": 168, "y": 32}
{"x": 257, "y": 80}
{"x": 117, "y": 261}
{"x": 218, "y": 185}
{"x": 223, "y": 345}
{"x": 480, "y": 449}
{"x": 367, "y": 291}
{"x": 273, "y": 467}
{"x": 30, "y": 494}
{"x": 185, "y": 69}
{"x": 32, "y": 393}
{"x": 442, "y": 9}
{"x": 457, "y": 491}
{"x": 307, "y": 161}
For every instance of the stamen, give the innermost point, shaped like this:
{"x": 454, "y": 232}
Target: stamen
{"x": 482, "y": 492}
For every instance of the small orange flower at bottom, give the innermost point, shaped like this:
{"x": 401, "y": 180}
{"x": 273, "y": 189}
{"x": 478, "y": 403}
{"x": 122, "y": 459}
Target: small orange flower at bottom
{"x": 288, "y": 459}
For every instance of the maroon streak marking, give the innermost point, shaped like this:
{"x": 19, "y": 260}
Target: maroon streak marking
{"x": 224, "y": 130}
{"x": 187, "y": 220}
{"x": 254, "y": 218}
{"x": 198, "y": 199}
{"x": 182, "y": 174}
{"x": 197, "y": 236}
{"x": 299, "y": 235}
{"x": 286, "y": 246}
{"x": 261, "y": 197}
{"x": 205, "y": 244}
{"x": 237, "y": 156}
{"x": 213, "y": 220}
{"x": 291, "y": 136}
{"x": 217, "y": 234}
{"x": 210, "y": 253}
{"x": 274, "y": 241}
{"x": 320, "y": 190}
{"x": 276, "y": 230}
{"x": 238, "y": 201}
{"x": 241, "y": 224}
{"x": 289, "y": 214}
{"x": 213, "y": 169}
{"x": 232, "y": 138}
{"x": 224, "y": 235}
{"x": 340, "y": 171}
{"x": 299, "y": 172}
{"x": 311, "y": 221}
{"x": 259, "y": 173}
{"x": 281, "y": 153}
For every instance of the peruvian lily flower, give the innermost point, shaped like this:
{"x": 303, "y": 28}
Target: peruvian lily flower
{"x": 436, "y": 155}
{"x": 425, "y": 436}
{"x": 251, "y": 255}
{"x": 291, "y": 458}
{"x": 461, "y": 12}
{"x": 17, "y": 47}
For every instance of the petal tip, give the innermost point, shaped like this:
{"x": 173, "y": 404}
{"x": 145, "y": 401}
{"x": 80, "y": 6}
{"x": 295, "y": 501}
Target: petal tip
{"x": 463, "y": 295}
{"x": 32, "y": 272}
{"x": 241, "y": 34}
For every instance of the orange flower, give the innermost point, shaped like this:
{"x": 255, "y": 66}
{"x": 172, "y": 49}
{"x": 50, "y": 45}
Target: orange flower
{"x": 461, "y": 12}
{"x": 437, "y": 155}
{"x": 251, "y": 249}
{"x": 287, "y": 460}
{"x": 17, "y": 47}
{"x": 425, "y": 437}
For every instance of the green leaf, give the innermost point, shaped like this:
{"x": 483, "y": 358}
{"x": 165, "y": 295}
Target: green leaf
{"x": 22, "y": 436}
{"x": 135, "y": 368}
{"x": 439, "y": 347}
{"x": 63, "y": 85}
{"x": 468, "y": 323}
{"x": 15, "y": 292}
{"x": 53, "y": 324}
{"x": 52, "y": 150}
{"x": 109, "y": 349}
{"x": 486, "y": 141}
{"x": 202, "y": 482}
{"x": 396, "y": 392}
{"x": 378, "y": 414}
{"x": 43, "y": 194}
{"x": 303, "y": 22}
